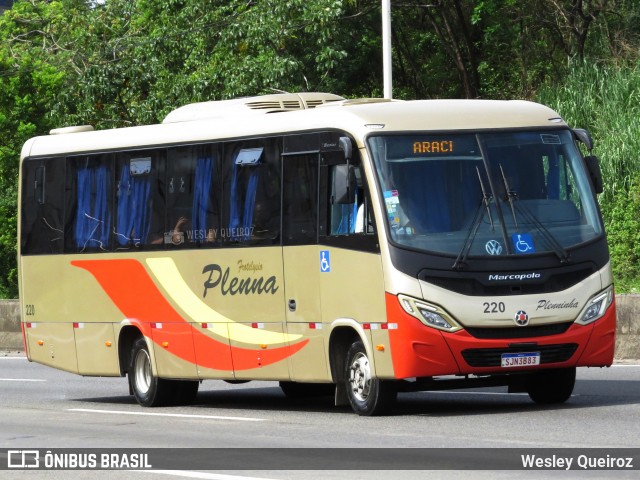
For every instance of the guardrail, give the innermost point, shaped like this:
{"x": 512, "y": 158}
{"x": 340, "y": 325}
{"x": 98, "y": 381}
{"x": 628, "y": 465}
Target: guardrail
{"x": 627, "y": 336}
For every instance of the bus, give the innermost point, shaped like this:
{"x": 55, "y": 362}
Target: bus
{"x": 356, "y": 248}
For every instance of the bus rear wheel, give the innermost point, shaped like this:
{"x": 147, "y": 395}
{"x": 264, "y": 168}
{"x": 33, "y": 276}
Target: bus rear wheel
{"x": 551, "y": 386}
{"x": 367, "y": 395}
{"x": 151, "y": 391}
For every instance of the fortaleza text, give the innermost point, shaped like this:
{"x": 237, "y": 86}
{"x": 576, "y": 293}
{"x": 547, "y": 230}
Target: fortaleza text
{"x": 585, "y": 462}
{"x": 235, "y": 285}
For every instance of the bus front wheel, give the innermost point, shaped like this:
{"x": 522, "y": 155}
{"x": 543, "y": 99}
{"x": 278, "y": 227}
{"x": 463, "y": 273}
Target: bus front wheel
{"x": 551, "y": 386}
{"x": 367, "y": 394}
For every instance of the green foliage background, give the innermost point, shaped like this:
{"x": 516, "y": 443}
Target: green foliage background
{"x": 115, "y": 63}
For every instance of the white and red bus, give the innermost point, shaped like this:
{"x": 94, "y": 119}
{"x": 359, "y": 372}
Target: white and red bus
{"x": 362, "y": 247}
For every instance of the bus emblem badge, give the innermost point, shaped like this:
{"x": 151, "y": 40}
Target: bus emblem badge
{"x": 493, "y": 247}
{"x": 521, "y": 318}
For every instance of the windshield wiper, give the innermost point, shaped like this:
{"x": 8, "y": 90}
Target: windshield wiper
{"x": 512, "y": 195}
{"x": 460, "y": 262}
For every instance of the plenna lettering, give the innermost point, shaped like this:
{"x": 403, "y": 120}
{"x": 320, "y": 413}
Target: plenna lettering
{"x": 237, "y": 286}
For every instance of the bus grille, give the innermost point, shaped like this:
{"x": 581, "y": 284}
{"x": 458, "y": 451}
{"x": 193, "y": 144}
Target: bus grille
{"x": 473, "y": 284}
{"x": 490, "y": 357}
{"x": 520, "y": 332}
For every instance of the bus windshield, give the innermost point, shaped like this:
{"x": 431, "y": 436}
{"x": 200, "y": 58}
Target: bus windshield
{"x": 486, "y": 194}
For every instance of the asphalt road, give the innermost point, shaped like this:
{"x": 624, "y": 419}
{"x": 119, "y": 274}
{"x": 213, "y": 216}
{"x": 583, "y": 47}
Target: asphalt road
{"x": 48, "y": 409}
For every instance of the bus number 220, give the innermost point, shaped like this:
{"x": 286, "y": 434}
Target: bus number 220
{"x": 493, "y": 307}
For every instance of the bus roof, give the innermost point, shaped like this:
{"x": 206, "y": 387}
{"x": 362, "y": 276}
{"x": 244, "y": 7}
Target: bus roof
{"x": 209, "y": 121}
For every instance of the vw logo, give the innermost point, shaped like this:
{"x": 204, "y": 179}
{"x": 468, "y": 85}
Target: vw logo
{"x": 493, "y": 247}
{"x": 521, "y": 318}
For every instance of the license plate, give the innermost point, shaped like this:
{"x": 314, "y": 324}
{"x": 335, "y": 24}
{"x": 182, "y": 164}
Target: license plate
{"x": 524, "y": 359}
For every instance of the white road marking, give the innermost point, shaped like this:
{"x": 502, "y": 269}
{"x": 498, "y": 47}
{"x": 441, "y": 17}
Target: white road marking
{"x": 208, "y": 476}
{"x": 22, "y": 380}
{"x": 178, "y": 415}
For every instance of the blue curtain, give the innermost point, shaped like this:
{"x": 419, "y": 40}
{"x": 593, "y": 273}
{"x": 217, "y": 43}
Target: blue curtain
{"x": 427, "y": 203}
{"x": 470, "y": 188}
{"x": 93, "y": 218}
{"x": 134, "y": 212}
{"x": 201, "y": 191}
{"x": 234, "y": 208}
{"x": 250, "y": 202}
{"x": 244, "y": 219}
{"x": 553, "y": 178}
{"x": 348, "y": 215}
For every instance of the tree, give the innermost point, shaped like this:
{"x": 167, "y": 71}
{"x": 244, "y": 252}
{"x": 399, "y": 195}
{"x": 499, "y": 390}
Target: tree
{"x": 126, "y": 62}
{"x": 29, "y": 84}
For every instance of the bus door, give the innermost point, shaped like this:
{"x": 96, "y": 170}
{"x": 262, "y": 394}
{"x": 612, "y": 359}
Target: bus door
{"x": 350, "y": 265}
{"x": 301, "y": 271}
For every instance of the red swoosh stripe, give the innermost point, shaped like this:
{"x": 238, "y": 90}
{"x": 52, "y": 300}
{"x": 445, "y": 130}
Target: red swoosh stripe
{"x": 130, "y": 288}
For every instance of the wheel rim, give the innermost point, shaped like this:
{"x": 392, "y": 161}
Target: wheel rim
{"x": 360, "y": 377}
{"x": 142, "y": 369}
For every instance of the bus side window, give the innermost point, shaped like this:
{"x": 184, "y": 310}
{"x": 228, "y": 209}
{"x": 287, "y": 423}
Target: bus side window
{"x": 43, "y": 208}
{"x": 140, "y": 203}
{"x": 252, "y": 192}
{"x": 347, "y": 225}
{"x": 351, "y": 218}
{"x": 192, "y": 206}
{"x": 300, "y": 199}
{"x": 89, "y": 184}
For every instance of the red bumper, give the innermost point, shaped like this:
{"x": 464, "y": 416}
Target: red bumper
{"x": 421, "y": 351}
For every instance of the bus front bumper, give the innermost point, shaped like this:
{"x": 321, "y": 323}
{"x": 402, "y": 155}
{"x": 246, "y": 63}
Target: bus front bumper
{"x": 421, "y": 351}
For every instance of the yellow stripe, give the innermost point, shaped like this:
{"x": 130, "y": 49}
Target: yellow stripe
{"x": 168, "y": 275}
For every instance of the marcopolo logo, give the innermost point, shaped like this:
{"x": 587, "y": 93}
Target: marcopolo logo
{"x": 518, "y": 277}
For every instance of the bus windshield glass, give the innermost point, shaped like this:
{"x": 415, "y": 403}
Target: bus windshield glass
{"x": 486, "y": 194}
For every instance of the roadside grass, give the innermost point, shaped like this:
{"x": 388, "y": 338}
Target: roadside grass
{"x": 605, "y": 99}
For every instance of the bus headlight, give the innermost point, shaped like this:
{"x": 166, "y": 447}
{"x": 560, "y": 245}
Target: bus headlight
{"x": 430, "y": 315}
{"x": 596, "y": 306}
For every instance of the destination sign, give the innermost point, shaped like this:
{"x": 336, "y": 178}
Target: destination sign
{"x": 433, "y": 146}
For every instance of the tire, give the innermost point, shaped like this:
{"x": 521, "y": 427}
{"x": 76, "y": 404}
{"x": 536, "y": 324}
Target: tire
{"x": 367, "y": 395}
{"x": 551, "y": 386}
{"x": 148, "y": 390}
{"x": 307, "y": 390}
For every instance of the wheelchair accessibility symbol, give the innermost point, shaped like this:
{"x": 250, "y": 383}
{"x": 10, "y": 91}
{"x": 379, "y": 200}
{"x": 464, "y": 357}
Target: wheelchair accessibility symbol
{"x": 523, "y": 243}
{"x": 325, "y": 261}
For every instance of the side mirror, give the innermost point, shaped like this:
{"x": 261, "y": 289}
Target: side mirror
{"x": 346, "y": 147}
{"x": 593, "y": 166}
{"x": 344, "y": 184}
{"x": 585, "y": 137}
